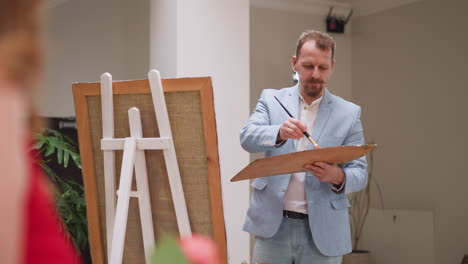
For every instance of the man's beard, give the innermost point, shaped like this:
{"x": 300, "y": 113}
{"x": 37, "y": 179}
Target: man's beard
{"x": 313, "y": 88}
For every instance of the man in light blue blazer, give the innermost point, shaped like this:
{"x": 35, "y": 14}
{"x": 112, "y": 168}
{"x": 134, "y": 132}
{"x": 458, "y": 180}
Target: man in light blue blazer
{"x": 303, "y": 217}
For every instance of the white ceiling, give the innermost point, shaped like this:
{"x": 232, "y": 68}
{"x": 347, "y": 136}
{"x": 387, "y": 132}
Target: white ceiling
{"x": 340, "y": 7}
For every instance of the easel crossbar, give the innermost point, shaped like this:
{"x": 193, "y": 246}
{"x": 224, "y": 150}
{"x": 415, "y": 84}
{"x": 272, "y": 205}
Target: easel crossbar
{"x": 141, "y": 143}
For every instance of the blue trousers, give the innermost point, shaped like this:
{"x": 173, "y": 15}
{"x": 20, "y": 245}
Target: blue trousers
{"x": 292, "y": 244}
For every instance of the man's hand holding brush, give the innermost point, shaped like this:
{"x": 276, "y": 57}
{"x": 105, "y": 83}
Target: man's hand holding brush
{"x": 291, "y": 129}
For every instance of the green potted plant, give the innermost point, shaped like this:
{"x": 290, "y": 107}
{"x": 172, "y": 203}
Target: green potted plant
{"x": 69, "y": 194}
{"x": 358, "y": 212}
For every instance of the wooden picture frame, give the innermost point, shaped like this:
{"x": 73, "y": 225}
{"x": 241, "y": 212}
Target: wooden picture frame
{"x": 189, "y": 100}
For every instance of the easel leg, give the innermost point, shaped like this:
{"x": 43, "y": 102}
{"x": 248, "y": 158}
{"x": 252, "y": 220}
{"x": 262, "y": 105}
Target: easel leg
{"x": 120, "y": 225}
{"x": 142, "y": 185}
{"x": 170, "y": 157}
{"x": 107, "y": 105}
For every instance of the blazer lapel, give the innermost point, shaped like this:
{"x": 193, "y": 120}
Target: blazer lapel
{"x": 322, "y": 116}
{"x": 291, "y": 102}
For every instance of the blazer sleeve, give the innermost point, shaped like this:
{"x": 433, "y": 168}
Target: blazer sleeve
{"x": 356, "y": 170}
{"x": 258, "y": 134}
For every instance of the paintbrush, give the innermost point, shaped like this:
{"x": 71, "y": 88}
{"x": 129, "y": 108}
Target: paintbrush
{"x": 305, "y": 132}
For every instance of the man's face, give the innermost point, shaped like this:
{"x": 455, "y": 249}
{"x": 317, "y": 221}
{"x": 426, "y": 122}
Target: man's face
{"x": 314, "y": 67}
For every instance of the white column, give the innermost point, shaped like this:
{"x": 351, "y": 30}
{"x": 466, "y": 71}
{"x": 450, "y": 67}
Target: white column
{"x": 211, "y": 38}
{"x": 163, "y": 37}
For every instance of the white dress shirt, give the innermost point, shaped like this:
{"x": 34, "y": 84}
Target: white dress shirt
{"x": 294, "y": 198}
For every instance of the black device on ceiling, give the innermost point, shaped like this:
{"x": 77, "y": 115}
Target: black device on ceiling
{"x": 337, "y": 24}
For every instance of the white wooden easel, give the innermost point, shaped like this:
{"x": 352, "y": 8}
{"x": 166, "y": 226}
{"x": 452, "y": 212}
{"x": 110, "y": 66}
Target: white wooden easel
{"x": 134, "y": 158}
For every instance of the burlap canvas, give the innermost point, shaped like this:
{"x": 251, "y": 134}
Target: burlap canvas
{"x": 187, "y": 124}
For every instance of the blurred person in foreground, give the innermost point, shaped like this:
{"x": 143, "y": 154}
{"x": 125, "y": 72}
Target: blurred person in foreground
{"x": 30, "y": 229}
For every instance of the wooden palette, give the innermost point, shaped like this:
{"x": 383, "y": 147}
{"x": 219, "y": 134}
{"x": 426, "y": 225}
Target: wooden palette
{"x": 295, "y": 162}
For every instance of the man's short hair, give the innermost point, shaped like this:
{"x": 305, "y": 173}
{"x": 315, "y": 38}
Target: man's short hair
{"x": 323, "y": 41}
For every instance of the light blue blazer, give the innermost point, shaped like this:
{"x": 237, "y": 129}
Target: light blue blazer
{"x": 338, "y": 123}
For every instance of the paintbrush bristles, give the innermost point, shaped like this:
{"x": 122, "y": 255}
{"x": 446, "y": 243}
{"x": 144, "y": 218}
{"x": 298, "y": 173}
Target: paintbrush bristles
{"x": 313, "y": 142}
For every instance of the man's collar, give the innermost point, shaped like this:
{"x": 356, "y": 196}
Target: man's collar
{"x": 316, "y": 101}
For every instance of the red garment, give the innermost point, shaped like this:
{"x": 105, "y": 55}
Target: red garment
{"x": 45, "y": 235}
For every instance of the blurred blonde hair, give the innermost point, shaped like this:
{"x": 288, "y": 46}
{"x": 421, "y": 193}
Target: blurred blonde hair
{"x": 21, "y": 45}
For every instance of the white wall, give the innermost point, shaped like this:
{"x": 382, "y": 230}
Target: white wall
{"x": 87, "y": 38}
{"x": 273, "y": 38}
{"x": 211, "y": 38}
{"x": 409, "y": 75}
{"x": 216, "y": 43}
{"x": 399, "y": 236}
{"x": 164, "y": 32}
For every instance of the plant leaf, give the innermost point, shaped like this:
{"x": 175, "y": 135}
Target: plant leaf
{"x": 76, "y": 158}
{"x": 168, "y": 251}
{"x": 69, "y": 195}
{"x": 40, "y": 142}
{"x": 49, "y": 150}
{"x": 59, "y": 155}
{"x": 66, "y": 158}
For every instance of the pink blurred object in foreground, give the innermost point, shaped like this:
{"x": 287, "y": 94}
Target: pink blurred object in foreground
{"x": 199, "y": 249}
